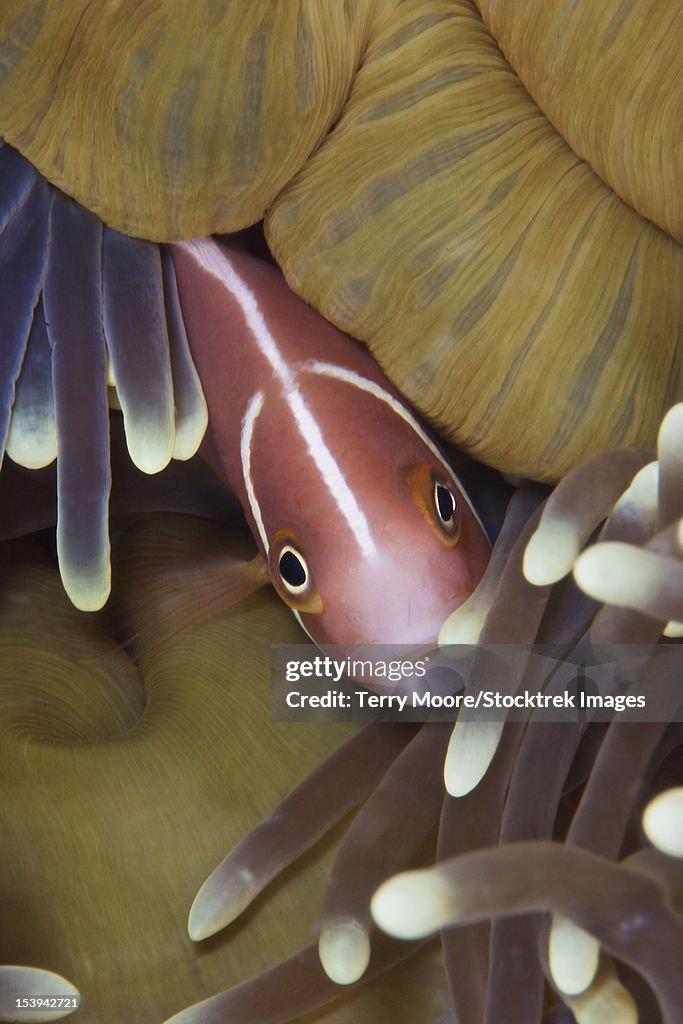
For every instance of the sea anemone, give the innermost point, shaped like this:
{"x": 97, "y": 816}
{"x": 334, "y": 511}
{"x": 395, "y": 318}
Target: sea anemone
{"x": 527, "y": 833}
{"x": 431, "y": 177}
{"x": 567, "y": 825}
{"x": 487, "y": 197}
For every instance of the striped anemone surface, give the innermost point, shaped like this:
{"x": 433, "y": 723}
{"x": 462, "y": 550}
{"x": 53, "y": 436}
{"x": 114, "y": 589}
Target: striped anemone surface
{"x": 514, "y": 298}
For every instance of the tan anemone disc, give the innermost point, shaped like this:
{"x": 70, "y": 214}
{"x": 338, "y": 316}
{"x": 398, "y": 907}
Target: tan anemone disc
{"x": 514, "y": 298}
{"x": 609, "y": 77}
{"x": 173, "y": 119}
{"x": 123, "y": 788}
{"x": 464, "y": 188}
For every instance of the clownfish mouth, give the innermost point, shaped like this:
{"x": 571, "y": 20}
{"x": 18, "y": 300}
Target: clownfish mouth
{"x": 460, "y": 596}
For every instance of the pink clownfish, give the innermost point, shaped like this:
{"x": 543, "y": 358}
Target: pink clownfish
{"x": 367, "y": 533}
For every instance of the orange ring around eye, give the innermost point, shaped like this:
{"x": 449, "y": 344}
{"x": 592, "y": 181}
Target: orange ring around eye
{"x": 301, "y": 596}
{"x": 423, "y": 480}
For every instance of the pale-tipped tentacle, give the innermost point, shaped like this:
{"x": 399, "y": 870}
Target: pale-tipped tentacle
{"x": 79, "y": 379}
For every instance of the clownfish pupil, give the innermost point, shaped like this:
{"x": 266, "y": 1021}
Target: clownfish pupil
{"x": 445, "y": 504}
{"x": 292, "y": 570}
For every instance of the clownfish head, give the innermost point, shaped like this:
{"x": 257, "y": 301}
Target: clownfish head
{"x": 371, "y": 538}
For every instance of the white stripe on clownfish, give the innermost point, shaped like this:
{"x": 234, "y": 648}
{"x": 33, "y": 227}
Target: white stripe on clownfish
{"x": 217, "y": 263}
{"x": 332, "y": 474}
{"x": 246, "y": 434}
{"x": 320, "y": 368}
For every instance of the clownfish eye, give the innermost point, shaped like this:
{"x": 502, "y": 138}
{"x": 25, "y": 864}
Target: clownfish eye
{"x": 293, "y": 570}
{"x": 445, "y": 503}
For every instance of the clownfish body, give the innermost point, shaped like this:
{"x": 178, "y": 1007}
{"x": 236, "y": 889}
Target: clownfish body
{"x": 367, "y": 533}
